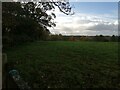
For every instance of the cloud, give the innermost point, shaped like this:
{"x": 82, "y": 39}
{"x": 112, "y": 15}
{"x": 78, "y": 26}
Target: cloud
{"x": 103, "y": 27}
{"x": 85, "y": 24}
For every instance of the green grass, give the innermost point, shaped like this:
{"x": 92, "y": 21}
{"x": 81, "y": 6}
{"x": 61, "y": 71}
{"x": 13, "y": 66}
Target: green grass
{"x": 67, "y": 64}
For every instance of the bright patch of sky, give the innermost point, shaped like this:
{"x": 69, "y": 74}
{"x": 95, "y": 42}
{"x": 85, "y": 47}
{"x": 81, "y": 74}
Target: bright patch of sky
{"x": 90, "y": 18}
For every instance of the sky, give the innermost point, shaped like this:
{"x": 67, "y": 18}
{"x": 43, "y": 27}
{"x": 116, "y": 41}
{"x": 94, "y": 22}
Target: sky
{"x": 90, "y": 18}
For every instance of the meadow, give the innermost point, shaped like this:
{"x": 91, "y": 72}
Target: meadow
{"x": 67, "y": 64}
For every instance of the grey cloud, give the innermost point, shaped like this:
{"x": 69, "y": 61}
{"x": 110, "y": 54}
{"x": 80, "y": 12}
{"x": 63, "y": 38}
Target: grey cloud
{"x": 103, "y": 27}
{"x": 83, "y": 21}
{"x": 93, "y": 21}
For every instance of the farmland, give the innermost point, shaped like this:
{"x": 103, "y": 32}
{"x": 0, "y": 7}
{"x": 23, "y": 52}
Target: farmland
{"x": 67, "y": 64}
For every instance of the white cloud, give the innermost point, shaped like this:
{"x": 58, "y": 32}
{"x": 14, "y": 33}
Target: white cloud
{"x": 85, "y": 24}
{"x": 116, "y": 22}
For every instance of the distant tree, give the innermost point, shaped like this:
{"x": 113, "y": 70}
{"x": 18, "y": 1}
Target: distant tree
{"x": 84, "y": 38}
{"x": 113, "y": 38}
{"x": 71, "y": 38}
{"x": 118, "y": 38}
{"x": 98, "y": 38}
{"x": 60, "y": 37}
{"x": 101, "y": 36}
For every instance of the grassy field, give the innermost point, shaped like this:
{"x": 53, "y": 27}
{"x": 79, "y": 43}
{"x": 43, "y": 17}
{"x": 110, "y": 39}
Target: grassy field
{"x": 67, "y": 64}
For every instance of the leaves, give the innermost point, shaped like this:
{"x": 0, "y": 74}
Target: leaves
{"x": 28, "y": 21}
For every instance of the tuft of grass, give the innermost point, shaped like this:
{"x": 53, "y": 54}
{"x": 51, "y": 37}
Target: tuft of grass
{"x": 67, "y": 64}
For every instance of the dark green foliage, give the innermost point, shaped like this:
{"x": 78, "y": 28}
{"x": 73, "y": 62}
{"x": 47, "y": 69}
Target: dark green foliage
{"x": 28, "y": 21}
{"x": 18, "y": 27}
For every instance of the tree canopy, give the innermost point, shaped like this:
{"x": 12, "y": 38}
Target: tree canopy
{"x": 27, "y": 21}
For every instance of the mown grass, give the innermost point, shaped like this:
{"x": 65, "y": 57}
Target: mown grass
{"x": 67, "y": 64}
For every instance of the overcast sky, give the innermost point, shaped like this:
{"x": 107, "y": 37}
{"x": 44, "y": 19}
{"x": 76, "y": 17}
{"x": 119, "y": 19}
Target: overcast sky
{"x": 90, "y": 18}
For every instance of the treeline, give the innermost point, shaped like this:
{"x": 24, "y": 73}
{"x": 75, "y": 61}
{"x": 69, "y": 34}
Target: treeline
{"x": 99, "y": 38}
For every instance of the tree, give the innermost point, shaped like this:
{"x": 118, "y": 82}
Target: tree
{"x": 26, "y": 21}
{"x": 38, "y": 11}
{"x": 113, "y": 38}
